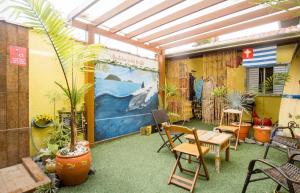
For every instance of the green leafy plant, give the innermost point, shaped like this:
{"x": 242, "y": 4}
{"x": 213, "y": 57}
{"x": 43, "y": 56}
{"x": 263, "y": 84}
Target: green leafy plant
{"x": 237, "y": 100}
{"x": 219, "y": 92}
{"x": 44, "y": 19}
{"x": 60, "y": 136}
{"x": 277, "y": 79}
{"x": 169, "y": 91}
{"x": 47, "y": 188}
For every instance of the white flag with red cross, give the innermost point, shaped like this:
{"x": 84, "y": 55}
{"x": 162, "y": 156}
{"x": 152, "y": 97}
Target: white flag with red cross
{"x": 259, "y": 56}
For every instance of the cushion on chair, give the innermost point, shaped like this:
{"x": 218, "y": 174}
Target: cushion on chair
{"x": 191, "y": 149}
{"x": 290, "y": 170}
{"x": 225, "y": 128}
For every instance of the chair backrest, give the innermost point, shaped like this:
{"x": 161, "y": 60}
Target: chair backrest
{"x": 232, "y": 111}
{"x": 185, "y": 130}
{"x": 160, "y": 116}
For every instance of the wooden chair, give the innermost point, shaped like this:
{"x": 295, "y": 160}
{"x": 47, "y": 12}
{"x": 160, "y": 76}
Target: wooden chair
{"x": 194, "y": 150}
{"x": 161, "y": 117}
{"x": 235, "y": 130}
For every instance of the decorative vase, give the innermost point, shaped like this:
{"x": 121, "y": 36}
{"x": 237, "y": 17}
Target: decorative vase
{"x": 262, "y": 133}
{"x": 244, "y": 130}
{"x": 73, "y": 170}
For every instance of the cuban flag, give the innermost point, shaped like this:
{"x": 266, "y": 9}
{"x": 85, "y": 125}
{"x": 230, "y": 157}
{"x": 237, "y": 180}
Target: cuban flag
{"x": 259, "y": 57}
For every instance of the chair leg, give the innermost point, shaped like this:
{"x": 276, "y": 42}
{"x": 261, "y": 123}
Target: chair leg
{"x": 267, "y": 150}
{"x": 163, "y": 145}
{"x": 201, "y": 161}
{"x": 247, "y": 181}
{"x": 236, "y": 142}
{"x": 290, "y": 186}
{"x": 175, "y": 167}
{"x": 278, "y": 188}
{"x": 196, "y": 177}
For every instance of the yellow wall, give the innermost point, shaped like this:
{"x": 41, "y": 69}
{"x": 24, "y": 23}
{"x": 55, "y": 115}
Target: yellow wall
{"x": 268, "y": 107}
{"x": 290, "y": 108}
{"x": 44, "y": 69}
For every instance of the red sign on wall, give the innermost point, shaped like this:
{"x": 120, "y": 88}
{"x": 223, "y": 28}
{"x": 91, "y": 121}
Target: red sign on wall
{"x": 18, "y": 55}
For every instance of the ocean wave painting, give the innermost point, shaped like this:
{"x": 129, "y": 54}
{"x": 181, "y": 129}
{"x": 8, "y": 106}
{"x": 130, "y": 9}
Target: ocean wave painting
{"x": 124, "y": 99}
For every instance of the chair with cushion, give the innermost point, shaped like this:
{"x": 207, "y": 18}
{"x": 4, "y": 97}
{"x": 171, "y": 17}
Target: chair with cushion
{"x": 232, "y": 129}
{"x": 286, "y": 175}
{"x": 282, "y": 143}
{"x": 161, "y": 118}
{"x": 189, "y": 149}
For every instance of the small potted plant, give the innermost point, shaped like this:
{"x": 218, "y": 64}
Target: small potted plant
{"x": 42, "y": 121}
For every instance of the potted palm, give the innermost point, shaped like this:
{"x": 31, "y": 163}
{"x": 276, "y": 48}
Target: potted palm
{"x": 245, "y": 102}
{"x": 72, "y": 162}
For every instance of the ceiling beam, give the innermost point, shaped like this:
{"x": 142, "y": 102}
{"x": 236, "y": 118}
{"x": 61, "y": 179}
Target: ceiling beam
{"x": 283, "y": 15}
{"x": 115, "y": 11}
{"x": 145, "y": 14}
{"x": 174, "y": 16}
{"x": 82, "y": 8}
{"x": 201, "y": 19}
{"x": 234, "y": 20}
{"x": 87, "y": 27}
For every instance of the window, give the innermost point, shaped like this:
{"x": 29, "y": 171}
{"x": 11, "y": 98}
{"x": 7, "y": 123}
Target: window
{"x": 266, "y": 80}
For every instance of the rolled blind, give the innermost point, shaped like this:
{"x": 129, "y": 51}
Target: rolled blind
{"x": 252, "y": 79}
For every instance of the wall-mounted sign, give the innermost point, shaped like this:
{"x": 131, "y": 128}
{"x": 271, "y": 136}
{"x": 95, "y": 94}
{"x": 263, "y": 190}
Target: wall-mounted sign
{"x": 18, "y": 55}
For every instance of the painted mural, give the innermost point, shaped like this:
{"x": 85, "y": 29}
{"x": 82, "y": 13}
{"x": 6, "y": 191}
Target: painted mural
{"x": 124, "y": 98}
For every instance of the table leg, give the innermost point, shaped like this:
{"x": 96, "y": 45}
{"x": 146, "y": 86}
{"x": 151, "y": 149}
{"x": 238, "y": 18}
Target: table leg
{"x": 217, "y": 160}
{"x": 227, "y": 153}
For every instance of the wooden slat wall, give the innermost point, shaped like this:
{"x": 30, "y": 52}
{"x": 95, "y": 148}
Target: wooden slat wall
{"x": 14, "y": 98}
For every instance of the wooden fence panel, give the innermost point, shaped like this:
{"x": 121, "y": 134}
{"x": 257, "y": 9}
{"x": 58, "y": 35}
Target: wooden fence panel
{"x": 14, "y": 97}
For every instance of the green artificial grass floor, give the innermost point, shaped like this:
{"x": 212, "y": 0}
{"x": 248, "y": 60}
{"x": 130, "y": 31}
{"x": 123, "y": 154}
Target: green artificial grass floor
{"x": 131, "y": 165}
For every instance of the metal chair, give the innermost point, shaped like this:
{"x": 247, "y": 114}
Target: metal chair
{"x": 190, "y": 149}
{"x": 235, "y": 130}
{"x": 286, "y": 176}
{"x": 161, "y": 117}
{"x": 282, "y": 143}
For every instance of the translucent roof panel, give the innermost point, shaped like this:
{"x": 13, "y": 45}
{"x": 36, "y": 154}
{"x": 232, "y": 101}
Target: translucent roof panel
{"x": 251, "y": 31}
{"x": 114, "y": 44}
{"x": 100, "y": 8}
{"x": 230, "y": 16}
{"x": 161, "y": 14}
{"x": 66, "y": 6}
{"x": 200, "y": 13}
{"x": 240, "y": 34}
{"x": 131, "y": 12}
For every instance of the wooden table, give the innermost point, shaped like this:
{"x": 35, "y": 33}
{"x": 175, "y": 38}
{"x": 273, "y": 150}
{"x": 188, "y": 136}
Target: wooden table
{"x": 217, "y": 142}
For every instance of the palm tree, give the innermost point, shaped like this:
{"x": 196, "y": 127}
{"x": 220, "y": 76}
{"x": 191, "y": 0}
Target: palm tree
{"x": 44, "y": 19}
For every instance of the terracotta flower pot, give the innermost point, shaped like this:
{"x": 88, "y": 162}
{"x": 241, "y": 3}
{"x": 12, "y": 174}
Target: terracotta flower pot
{"x": 73, "y": 170}
{"x": 244, "y": 130}
{"x": 262, "y": 133}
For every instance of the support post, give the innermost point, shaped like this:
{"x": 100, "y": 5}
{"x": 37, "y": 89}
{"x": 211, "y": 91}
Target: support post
{"x": 162, "y": 74}
{"x": 89, "y": 97}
